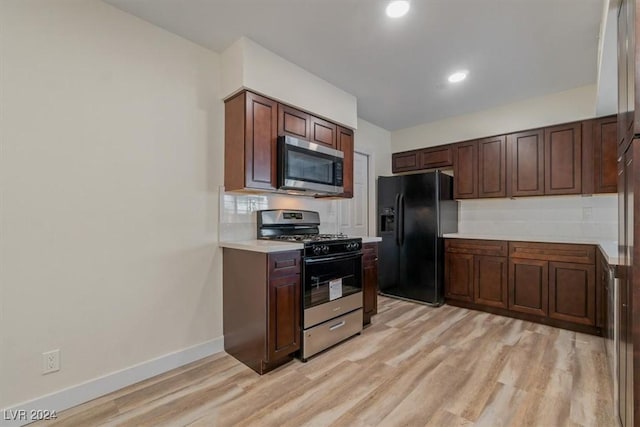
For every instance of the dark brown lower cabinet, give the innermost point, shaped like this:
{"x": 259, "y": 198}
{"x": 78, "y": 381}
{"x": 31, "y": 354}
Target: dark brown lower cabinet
{"x": 284, "y": 316}
{"x": 529, "y": 286}
{"x": 572, "y": 292}
{"x": 369, "y": 281}
{"x": 547, "y": 283}
{"x": 261, "y": 307}
{"x": 458, "y": 277}
{"x": 490, "y": 281}
{"x": 476, "y": 272}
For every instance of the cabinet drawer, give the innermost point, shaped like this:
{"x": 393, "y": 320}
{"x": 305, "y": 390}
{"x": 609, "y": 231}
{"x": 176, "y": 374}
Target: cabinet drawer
{"x": 582, "y": 254}
{"x": 283, "y": 264}
{"x": 476, "y": 247}
{"x": 331, "y": 332}
{"x": 436, "y": 157}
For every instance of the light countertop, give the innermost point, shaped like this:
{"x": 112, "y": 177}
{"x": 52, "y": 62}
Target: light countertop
{"x": 609, "y": 248}
{"x": 269, "y": 246}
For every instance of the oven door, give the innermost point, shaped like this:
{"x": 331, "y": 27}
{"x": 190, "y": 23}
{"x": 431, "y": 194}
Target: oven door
{"x": 308, "y": 166}
{"x": 330, "y": 278}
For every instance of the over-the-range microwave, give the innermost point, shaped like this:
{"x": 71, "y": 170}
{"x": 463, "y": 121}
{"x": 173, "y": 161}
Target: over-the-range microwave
{"x": 309, "y": 167}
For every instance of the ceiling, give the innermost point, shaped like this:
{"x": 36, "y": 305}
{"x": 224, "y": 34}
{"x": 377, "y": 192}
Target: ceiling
{"x": 398, "y": 68}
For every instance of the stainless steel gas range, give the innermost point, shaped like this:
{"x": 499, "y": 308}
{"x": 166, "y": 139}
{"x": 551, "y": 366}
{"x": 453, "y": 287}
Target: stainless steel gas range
{"x": 331, "y": 277}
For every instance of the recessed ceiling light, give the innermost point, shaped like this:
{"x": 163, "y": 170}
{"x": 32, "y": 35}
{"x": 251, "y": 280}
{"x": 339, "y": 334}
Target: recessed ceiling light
{"x": 397, "y": 8}
{"x": 458, "y": 76}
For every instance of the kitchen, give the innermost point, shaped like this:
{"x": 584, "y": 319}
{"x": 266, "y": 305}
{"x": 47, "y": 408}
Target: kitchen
{"x": 125, "y": 229}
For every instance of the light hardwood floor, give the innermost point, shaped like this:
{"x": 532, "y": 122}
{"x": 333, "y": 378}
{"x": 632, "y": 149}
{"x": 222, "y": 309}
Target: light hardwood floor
{"x": 414, "y": 366}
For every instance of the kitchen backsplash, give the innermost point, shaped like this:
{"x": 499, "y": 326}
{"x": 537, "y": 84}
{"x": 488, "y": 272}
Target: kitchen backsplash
{"x": 238, "y": 212}
{"x": 571, "y": 216}
{"x": 568, "y": 216}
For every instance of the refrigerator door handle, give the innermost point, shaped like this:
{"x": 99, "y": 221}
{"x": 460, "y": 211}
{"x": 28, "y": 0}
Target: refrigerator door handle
{"x": 401, "y": 220}
{"x": 397, "y": 215}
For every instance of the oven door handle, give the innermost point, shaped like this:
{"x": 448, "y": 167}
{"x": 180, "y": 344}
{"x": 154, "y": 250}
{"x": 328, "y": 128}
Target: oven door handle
{"x": 333, "y": 258}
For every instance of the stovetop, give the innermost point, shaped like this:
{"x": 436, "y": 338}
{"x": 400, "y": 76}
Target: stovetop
{"x": 303, "y": 227}
{"x": 304, "y": 238}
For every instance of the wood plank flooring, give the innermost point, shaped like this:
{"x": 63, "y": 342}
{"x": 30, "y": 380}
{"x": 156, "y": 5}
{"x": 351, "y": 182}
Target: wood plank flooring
{"x": 414, "y": 366}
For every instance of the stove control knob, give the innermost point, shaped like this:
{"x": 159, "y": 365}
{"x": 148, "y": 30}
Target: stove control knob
{"x": 317, "y": 250}
{"x": 325, "y": 249}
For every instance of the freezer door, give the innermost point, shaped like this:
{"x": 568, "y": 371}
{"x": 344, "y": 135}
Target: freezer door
{"x": 389, "y": 190}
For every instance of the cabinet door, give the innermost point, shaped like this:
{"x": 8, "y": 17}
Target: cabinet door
{"x": 260, "y": 142}
{"x": 490, "y": 281}
{"x": 345, "y": 144}
{"x": 284, "y": 317}
{"x": 525, "y": 163}
{"x": 370, "y": 285}
{"x": 458, "y": 276}
{"x": 405, "y": 161}
{"x": 323, "y": 132}
{"x": 465, "y": 170}
{"x": 563, "y": 159}
{"x": 529, "y": 286}
{"x": 605, "y": 155}
{"x": 293, "y": 122}
{"x": 492, "y": 167}
{"x": 572, "y": 292}
{"x": 436, "y": 157}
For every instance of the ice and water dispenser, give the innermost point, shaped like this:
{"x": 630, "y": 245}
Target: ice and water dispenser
{"x": 387, "y": 220}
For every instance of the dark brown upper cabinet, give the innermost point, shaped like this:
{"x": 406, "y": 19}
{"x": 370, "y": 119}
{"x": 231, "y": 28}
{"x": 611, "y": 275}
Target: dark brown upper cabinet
{"x": 252, "y": 126}
{"x": 251, "y": 130}
{"x": 563, "y": 159}
{"x": 405, "y": 162}
{"x": 436, "y": 157}
{"x": 605, "y": 155}
{"x": 492, "y": 167}
{"x": 323, "y": 132}
{"x": 465, "y": 170}
{"x": 525, "y": 163}
{"x": 345, "y": 144}
{"x": 293, "y": 122}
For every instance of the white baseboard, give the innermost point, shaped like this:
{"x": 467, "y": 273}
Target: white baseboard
{"x": 19, "y": 415}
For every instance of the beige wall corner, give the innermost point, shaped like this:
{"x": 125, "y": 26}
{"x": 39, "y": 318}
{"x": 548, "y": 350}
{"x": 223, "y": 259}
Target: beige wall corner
{"x": 248, "y": 65}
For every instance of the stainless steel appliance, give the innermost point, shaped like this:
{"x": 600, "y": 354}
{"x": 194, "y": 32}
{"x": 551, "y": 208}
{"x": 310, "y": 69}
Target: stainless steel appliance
{"x": 307, "y": 166}
{"x": 414, "y": 211}
{"x": 331, "y": 277}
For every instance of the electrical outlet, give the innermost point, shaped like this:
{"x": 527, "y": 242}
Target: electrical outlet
{"x": 587, "y": 213}
{"x": 51, "y": 361}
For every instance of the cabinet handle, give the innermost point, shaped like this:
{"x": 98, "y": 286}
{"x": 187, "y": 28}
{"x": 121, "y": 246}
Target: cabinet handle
{"x": 337, "y": 308}
{"x": 337, "y": 325}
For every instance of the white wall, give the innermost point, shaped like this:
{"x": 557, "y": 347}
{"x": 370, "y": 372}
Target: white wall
{"x": 376, "y": 142}
{"x": 248, "y": 65}
{"x": 112, "y": 139}
{"x": 562, "y": 107}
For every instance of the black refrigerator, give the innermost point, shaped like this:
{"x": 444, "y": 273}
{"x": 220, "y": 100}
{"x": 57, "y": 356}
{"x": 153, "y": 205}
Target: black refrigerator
{"x": 414, "y": 211}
